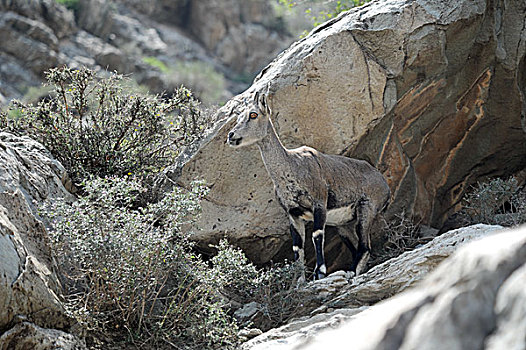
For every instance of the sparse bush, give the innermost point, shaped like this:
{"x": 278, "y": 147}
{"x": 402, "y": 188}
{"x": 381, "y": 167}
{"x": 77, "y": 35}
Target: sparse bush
{"x": 131, "y": 270}
{"x": 3, "y": 119}
{"x": 497, "y": 201}
{"x": 402, "y": 234}
{"x": 94, "y": 127}
{"x": 234, "y": 274}
{"x": 277, "y": 294}
{"x": 319, "y": 11}
{"x": 73, "y": 5}
{"x": 272, "y": 288}
{"x": 334, "y": 10}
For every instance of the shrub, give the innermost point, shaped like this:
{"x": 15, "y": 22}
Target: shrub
{"x": 73, "y": 5}
{"x": 132, "y": 268}
{"x": 277, "y": 294}
{"x": 94, "y": 127}
{"x": 333, "y": 11}
{"x": 402, "y": 233}
{"x": 318, "y": 11}
{"x": 497, "y": 201}
{"x": 234, "y": 274}
{"x": 272, "y": 288}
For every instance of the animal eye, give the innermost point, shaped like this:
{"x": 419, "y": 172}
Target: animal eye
{"x": 253, "y": 115}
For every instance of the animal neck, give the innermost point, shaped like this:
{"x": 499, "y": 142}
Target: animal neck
{"x": 273, "y": 153}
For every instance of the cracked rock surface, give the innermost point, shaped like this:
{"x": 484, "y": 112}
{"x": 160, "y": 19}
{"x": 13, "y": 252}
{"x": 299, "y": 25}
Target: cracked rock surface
{"x": 29, "y": 288}
{"x": 473, "y": 300}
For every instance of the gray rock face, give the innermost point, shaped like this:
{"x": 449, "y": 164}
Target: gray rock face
{"x": 416, "y": 87}
{"x": 38, "y": 49}
{"x": 237, "y": 32}
{"x": 168, "y": 11}
{"x": 29, "y": 288}
{"x": 231, "y": 39}
{"x": 48, "y": 12}
{"x": 510, "y": 310}
{"x": 473, "y": 300}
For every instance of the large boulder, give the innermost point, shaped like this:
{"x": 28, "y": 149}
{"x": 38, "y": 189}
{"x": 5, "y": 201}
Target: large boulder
{"x": 430, "y": 92}
{"x": 29, "y": 287}
{"x": 472, "y": 300}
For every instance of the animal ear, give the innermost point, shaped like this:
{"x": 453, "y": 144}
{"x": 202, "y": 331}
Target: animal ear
{"x": 263, "y": 104}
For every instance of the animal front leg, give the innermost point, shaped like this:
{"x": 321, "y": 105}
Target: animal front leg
{"x": 365, "y": 215}
{"x": 297, "y": 231}
{"x": 318, "y": 238}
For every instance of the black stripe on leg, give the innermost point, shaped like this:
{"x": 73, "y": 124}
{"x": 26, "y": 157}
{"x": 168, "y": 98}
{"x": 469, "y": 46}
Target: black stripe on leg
{"x": 318, "y": 237}
{"x": 319, "y": 219}
{"x": 296, "y": 241}
{"x": 297, "y": 211}
{"x": 319, "y": 216}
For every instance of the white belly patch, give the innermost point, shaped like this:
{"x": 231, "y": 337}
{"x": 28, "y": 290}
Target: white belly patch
{"x": 335, "y": 217}
{"x": 340, "y": 216}
{"x": 307, "y": 216}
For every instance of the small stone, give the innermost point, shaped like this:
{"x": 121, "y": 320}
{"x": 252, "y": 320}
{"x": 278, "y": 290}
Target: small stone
{"x": 249, "y": 333}
{"x": 247, "y": 311}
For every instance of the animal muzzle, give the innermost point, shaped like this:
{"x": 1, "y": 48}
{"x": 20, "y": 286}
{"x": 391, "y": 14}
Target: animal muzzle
{"x": 233, "y": 140}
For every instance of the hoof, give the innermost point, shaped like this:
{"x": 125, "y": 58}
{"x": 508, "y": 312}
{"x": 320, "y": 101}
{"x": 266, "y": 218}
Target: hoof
{"x": 319, "y": 275}
{"x": 320, "y": 272}
{"x": 362, "y": 264}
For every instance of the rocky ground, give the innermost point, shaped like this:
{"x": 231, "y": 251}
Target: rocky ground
{"x": 463, "y": 289}
{"x": 430, "y": 93}
{"x": 472, "y": 300}
{"x": 214, "y": 47}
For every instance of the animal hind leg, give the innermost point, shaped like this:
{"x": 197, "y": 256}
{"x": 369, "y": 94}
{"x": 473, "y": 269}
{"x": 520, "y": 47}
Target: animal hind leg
{"x": 365, "y": 216}
{"x": 318, "y": 238}
{"x": 344, "y": 234}
{"x": 297, "y": 231}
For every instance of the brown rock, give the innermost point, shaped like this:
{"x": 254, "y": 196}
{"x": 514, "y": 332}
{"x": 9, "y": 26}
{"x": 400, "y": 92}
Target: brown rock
{"x": 428, "y": 92}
